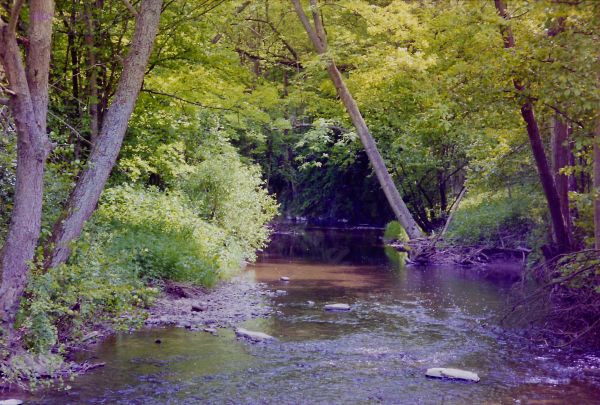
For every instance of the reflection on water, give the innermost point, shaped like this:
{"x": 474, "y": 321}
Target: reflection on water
{"x": 403, "y": 320}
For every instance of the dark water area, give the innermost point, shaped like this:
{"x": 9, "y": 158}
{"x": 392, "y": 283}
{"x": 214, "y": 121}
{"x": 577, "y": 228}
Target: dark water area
{"x": 403, "y": 320}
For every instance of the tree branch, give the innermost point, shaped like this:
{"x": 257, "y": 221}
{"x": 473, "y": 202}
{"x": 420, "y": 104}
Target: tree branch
{"x": 175, "y": 97}
{"x": 130, "y": 7}
{"x": 14, "y": 15}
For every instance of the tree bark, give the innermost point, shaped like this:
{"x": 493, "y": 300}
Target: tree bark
{"x": 537, "y": 147}
{"x": 29, "y": 105}
{"x": 319, "y": 39}
{"x": 90, "y": 43}
{"x": 84, "y": 198}
{"x": 597, "y": 180}
{"x": 560, "y": 160}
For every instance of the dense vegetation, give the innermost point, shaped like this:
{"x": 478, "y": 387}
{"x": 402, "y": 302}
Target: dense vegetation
{"x": 234, "y": 106}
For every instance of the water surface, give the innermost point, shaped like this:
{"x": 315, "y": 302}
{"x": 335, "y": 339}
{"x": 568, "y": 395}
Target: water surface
{"x": 403, "y": 320}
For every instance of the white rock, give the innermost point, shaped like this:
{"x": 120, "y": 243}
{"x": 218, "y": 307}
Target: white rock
{"x": 284, "y": 278}
{"x": 11, "y": 402}
{"x": 337, "y": 307}
{"x": 310, "y": 303}
{"x": 252, "y": 335}
{"x": 280, "y": 292}
{"x": 454, "y": 373}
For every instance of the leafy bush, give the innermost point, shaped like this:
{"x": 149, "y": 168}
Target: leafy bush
{"x": 394, "y": 231}
{"x": 229, "y": 194}
{"x": 497, "y": 218}
{"x": 93, "y": 288}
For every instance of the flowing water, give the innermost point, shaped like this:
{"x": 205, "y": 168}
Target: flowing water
{"x": 403, "y": 320}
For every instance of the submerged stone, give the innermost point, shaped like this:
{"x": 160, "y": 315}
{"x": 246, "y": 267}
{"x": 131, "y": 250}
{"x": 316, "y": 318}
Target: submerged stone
{"x": 337, "y": 307}
{"x": 252, "y": 335}
{"x": 452, "y": 373}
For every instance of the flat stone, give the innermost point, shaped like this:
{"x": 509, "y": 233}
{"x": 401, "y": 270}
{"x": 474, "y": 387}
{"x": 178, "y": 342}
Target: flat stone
{"x": 252, "y": 335}
{"x": 11, "y": 402}
{"x": 199, "y": 307}
{"x": 284, "y": 278}
{"x": 452, "y": 373}
{"x": 337, "y": 307}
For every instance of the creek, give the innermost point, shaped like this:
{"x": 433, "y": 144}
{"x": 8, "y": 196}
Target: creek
{"x": 403, "y": 320}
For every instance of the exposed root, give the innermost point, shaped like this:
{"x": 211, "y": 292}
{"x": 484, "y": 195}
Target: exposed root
{"x": 429, "y": 251}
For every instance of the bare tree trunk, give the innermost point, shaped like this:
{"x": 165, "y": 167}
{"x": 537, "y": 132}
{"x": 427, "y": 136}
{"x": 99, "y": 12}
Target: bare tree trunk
{"x": 597, "y": 180}
{"x": 319, "y": 40}
{"x": 560, "y": 160}
{"x": 537, "y": 147}
{"x": 84, "y": 198}
{"x": 29, "y": 104}
{"x": 93, "y": 71}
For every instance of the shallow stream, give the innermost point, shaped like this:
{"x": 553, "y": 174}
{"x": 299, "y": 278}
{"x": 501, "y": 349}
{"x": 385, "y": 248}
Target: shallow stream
{"x": 403, "y": 320}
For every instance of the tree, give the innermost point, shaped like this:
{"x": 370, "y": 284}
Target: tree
{"x": 105, "y": 150}
{"x": 537, "y": 147}
{"x": 28, "y": 81}
{"x": 318, "y": 38}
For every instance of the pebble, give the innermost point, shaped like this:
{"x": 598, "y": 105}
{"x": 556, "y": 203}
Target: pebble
{"x": 284, "y": 278}
{"x": 310, "y": 303}
{"x": 11, "y": 402}
{"x": 158, "y": 341}
{"x": 337, "y": 307}
{"x": 280, "y": 292}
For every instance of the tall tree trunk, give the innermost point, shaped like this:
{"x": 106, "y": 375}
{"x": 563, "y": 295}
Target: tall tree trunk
{"x": 90, "y": 44}
{"x": 597, "y": 179}
{"x": 29, "y": 105}
{"x": 537, "y": 147}
{"x": 84, "y": 198}
{"x": 560, "y": 160}
{"x": 319, "y": 40}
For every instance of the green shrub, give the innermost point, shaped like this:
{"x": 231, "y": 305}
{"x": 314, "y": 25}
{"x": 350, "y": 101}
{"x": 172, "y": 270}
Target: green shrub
{"x": 394, "y": 231}
{"x": 497, "y": 219}
{"x": 229, "y": 194}
{"x": 66, "y": 302}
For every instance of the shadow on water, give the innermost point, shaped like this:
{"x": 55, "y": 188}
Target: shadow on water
{"x": 403, "y": 320}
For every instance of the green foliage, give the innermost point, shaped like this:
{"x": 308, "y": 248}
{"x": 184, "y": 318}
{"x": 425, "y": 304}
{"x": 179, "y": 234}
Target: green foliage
{"x": 395, "y": 231}
{"x": 94, "y": 288}
{"x": 498, "y": 219}
{"x": 161, "y": 237}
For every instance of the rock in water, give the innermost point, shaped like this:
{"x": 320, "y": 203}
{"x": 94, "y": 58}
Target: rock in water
{"x": 284, "y": 278}
{"x": 11, "y": 402}
{"x": 337, "y": 307}
{"x": 200, "y": 307}
{"x": 453, "y": 373}
{"x": 254, "y": 336}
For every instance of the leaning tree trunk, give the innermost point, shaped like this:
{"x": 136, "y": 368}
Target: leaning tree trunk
{"x": 29, "y": 105}
{"x": 537, "y": 147}
{"x": 319, "y": 40}
{"x": 84, "y": 198}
